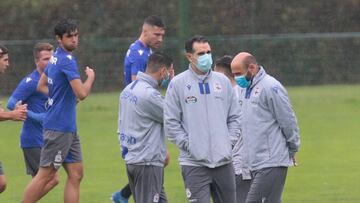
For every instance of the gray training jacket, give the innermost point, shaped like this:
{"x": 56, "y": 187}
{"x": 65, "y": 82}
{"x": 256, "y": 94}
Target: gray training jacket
{"x": 240, "y": 151}
{"x": 141, "y": 132}
{"x": 270, "y": 129}
{"x": 202, "y": 118}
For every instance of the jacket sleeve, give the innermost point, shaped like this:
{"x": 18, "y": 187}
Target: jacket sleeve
{"x": 234, "y": 119}
{"x": 173, "y": 118}
{"x": 282, "y": 110}
{"x": 22, "y": 92}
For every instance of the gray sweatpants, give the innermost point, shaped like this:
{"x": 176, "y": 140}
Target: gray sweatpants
{"x": 202, "y": 182}
{"x": 146, "y": 183}
{"x": 267, "y": 185}
{"x": 242, "y": 188}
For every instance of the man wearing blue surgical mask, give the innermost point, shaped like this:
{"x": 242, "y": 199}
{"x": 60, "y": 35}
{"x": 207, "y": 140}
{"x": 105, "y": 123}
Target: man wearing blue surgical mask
{"x": 202, "y": 117}
{"x": 270, "y": 130}
{"x": 141, "y": 130}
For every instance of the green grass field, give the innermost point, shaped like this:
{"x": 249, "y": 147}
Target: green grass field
{"x": 328, "y": 171}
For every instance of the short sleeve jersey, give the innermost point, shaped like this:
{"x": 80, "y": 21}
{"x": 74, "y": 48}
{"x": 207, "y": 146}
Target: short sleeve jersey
{"x": 26, "y": 91}
{"x": 61, "y": 112}
{"x": 135, "y": 60}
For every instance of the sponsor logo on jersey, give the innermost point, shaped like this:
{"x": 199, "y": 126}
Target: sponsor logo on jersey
{"x": 28, "y": 79}
{"x": 53, "y": 60}
{"x": 50, "y": 81}
{"x": 191, "y": 100}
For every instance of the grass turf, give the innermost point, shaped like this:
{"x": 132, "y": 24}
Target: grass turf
{"x": 328, "y": 161}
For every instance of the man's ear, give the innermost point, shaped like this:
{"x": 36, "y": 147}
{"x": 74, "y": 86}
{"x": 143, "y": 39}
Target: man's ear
{"x": 252, "y": 68}
{"x": 188, "y": 56}
{"x": 58, "y": 38}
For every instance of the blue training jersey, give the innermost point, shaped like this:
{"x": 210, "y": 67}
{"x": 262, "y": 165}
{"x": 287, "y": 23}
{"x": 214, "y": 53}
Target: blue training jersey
{"x": 61, "y": 113}
{"x": 26, "y": 91}
{"x": 135, "y": 60}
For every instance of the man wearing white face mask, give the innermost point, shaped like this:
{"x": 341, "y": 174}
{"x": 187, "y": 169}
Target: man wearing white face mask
{"x": 270, "y": 130}
{"x": 203, "y": 119}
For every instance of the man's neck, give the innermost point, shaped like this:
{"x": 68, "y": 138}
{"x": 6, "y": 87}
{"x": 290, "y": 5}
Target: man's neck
{"x": 143, "y": 41}
{"x": 70, "y": 52}
{"x": 39, "y": 70}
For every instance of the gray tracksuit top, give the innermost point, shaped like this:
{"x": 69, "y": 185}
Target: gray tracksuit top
{"x": 141, "y": 131}
{"x": 270, "y": 129}
{"x": 240, "y": 151}
{"x": 202, "y": 118}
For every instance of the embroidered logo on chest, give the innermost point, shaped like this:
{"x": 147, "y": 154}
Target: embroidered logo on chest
{"x": 217, "y": 87}
{"x": 257, "y": 91}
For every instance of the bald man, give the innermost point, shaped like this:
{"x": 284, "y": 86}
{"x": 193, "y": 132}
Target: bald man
{"x": 151, "y": 37}
{"x": 269, "y": 127}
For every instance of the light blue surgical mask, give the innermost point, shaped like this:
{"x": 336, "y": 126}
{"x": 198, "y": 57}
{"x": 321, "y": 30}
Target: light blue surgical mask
{"x": 165, "y": 81}
{"x": 204, "y": 62}
{"x": 242, "y": 81}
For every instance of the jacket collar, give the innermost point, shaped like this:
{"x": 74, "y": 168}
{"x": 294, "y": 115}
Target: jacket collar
{"x": 259, "y": 76}
{"x": 200, "y": 78}
{"x": 147, "y": 78}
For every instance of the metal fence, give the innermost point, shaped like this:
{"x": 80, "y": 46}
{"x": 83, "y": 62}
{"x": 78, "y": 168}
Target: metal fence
{"x": 295, "y": 59}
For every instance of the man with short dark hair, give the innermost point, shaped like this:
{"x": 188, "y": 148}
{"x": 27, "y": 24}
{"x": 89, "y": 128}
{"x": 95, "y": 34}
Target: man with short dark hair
{"x": 18, "y": 114}
{"x": 31, "y": 137}
{"x": 141, "y": 130}
{"x": 270, "y": 130}
{"x": 203, "y": 119}
{"x": 152, "y": 34}
{"x": 61, "y": 82}
{"x": 222, "y": 65}
{"x": 239, "y": 151}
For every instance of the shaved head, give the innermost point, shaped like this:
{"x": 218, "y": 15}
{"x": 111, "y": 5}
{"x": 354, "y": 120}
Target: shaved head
{"x": 153, "y": 31}
{"x": 243, "y": 58}
{"x": 244, "y": 62}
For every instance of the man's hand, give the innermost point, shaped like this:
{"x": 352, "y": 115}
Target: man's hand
{"x": 167, "y": 158}
{"x": 294, "y": 161}
{"x": 19, "y": 114}
{"x": 90, "y": 73}
{"x": 19, "y": 105}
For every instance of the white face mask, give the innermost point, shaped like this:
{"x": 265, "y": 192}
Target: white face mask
{"x": 204, "y": 62}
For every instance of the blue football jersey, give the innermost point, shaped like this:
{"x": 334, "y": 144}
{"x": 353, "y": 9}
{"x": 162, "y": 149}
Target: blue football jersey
{"x": 26, "y": 91}
{"x": 135, "y": 60}
{"x": 61, "y": 112}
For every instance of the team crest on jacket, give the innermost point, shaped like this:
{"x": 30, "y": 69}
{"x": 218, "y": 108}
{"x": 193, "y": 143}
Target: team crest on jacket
{"x": 257, "y": 91}
{"x": 156, "y": 197}
{"x": 191, "y": 99}
{"x": 217, "y": 87}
